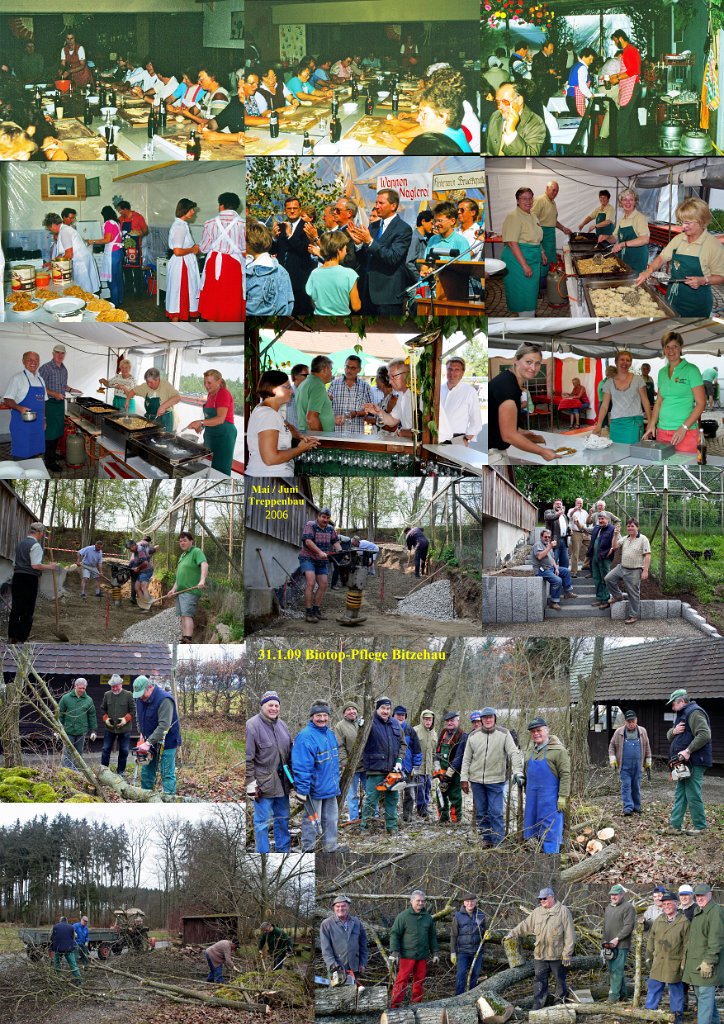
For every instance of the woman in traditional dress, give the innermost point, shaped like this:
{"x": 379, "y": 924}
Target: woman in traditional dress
{"x": 183, "y": 281}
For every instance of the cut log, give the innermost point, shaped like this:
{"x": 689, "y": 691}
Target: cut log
{"x": 403, "y": 1016}
{"x": 514, "y": 952}
{"x": 594, "y": 846}
{"x": 552, "y": 1015}
{"x": 453, "y": 1015}
{"x": 591, "y": 865}
{"x": 348, "y": 999}
{"x": 126, "y": 791}
{"x": 494, "y": 1011}
{"x": 581, "y": 839}
{"x": 606, "y": 834}
{"x": 619, "y": 1010}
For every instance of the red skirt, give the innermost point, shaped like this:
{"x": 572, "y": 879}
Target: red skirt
{"x": 184, "y": 313}
{"x": 221, "y": 299}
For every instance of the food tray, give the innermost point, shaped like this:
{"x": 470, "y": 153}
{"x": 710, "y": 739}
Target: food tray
{"x": 72, "y": 128}
{"x": 85, "y": 403}
{"x": 165, "y": 450}
{"x": 304, "y": 119}
{"x": 114, "y": 425}
{"x": 652, "y": 451}
{"x": 369, "y": 129}
{"x": 623, "y": 271}
{"x": 625, "y": 313}
{"x": 582, "y": 241}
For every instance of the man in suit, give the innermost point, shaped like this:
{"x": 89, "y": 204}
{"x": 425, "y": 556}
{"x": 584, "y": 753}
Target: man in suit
{"x": 291, "y": 247}
{"x": 387, "y": 242}
{"x": 514, "y": 129}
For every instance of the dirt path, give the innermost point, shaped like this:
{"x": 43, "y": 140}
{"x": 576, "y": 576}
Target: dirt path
{"x": 84, "y": 621}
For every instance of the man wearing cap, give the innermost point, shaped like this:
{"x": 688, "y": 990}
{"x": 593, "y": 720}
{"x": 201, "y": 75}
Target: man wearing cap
{"x": 665, "y": 955}
{"x": 411, "y": 762}
{"x": 548, "y": 786}
{"x": 687, "y": 903}
{"x": 690, "y": 739}
{"x": 315, "y": 766}
{"x": 467, "y": 935}
{"x": 347, "y": 730}
{"x": 118, "y": 713}
{"x": 485, "y": 766}
{"x": 27, "y": 568}
{"x": 559, "y": 576}
{"x": 80, "y": 930}
{"x": 652, "y": 912}
{"x": 475, "y": 722}
{"x": 55, "y": 378}
{"x": 77, "y": 715}
{"x": 384, "y": 753}
{"x": 630, "y": 752}
{"x": 344, "y": 943}
{"x": 276, "y": 940}
{"x": 619, "y": 921}
{"x": 426, "y": 734}
{"x": 551, "y": 925}
{"x": 318, "y": 539}
{"x": 413, "y": 940}
{"x": 704, "y": 965}
{"x": 160, "y": 733}
{"x": 268, "y": 771}
{"x": 449, "y": 754}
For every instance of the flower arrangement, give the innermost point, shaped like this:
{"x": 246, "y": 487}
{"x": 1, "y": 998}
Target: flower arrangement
{"x": 518, "y": 13}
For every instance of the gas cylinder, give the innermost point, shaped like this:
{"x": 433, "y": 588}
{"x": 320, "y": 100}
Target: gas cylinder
{"x": 74, "y": 450}
{"x": 554, "y": 296}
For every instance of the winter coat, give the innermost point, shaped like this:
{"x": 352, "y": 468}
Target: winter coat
{"x": 413, "y": 935}
{"x": 154, "y": 722}
{"x": 705, "y": 945}
{"x": 456, "y": 742}
{"x": 467, "y": 931}
{"x": 81, "y": 933}
{"x": 277, "y": 942}
{"x": 619, "y": 922}
{"x": 115, "y": 706}
{"x": 315, "y": 762}
{"x": 696, "y": 737}
{"x": 486, "y": 756}
{"x": 666, "y": 946}
{"x": 345, "y": 945}
{"x": 428, "y": 742}
{"x": 384, "y": 747}
{"x": 558, "y": 761}
{"x": 62, "y": 938}
{"x": 347, "y": 733}
{"x": 267, "y": 744}
{"x": 615, "y": 747}
{"x": 604, "y": 547}
{"x": 413, "y": 752}
{"x": 77, "y": 714}
{"x": 553, "y": 931}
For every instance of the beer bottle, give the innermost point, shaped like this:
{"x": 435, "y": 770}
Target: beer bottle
{"x": 87, "y": 113}
{"x": 306, "y": 145}
{"x": 355, "y": 90}
{"x": 701, "y": 452}
{"x": 395, "y": 99}
{"x": 193, "y": 146}
{"x": 274, "y": 125}
{"x": 369, "y": 103}
{"x": 151, "y": 122}
{"x": 161, "y": 118}
{"x": 335, "y": 128}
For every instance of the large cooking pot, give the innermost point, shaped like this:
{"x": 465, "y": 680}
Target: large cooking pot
{"x": 669, "y": 136}
{"x": 63, "y": 85}
{"x": 710, "y": 428}
{"x": 695, "y": 144}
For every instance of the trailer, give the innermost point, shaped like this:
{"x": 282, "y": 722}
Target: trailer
{"x": 128, "y": 933}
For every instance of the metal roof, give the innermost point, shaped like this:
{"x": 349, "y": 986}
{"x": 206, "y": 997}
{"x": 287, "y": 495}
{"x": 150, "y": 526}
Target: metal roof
{"x": 650, "y": 672}
{"x": 94, "y": 659}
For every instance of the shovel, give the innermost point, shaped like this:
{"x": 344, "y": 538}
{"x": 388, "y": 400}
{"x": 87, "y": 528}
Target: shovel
{"x": 63, "y": 637}
{"x": 145, "y": 605}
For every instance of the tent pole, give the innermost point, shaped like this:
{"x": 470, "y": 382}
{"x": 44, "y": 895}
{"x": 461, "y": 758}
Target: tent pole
{"x": 664, "y": 529}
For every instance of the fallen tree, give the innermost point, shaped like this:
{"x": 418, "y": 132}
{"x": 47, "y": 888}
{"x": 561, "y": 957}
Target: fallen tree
{"x": 350, "y": 999}
{"x": 175, "y": 992}
{"x": 591, "y": 865}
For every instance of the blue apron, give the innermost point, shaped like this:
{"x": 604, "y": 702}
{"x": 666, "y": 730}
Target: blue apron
{"x": 542, "y": 819}
{"x": 28, "y": 439}
{"x": 686, "y": 301}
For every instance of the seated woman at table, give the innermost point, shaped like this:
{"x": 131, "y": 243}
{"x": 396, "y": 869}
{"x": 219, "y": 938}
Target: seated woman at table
{"x": 697, "y": 261}
{"x": 275, "y": 93}
{"x": 302, "y": 89}
{"x": 256, "y": 109}
{"x": 268, "y": 435}
{"x": 333, "y": 288}
{"x": 578, "y": 392}
{"x": 632, "y": 232}
{"x": 228, "y": 126}
{"x": 681, "y": 399}
{"x": 71, "y": 246}
{"x": 43, "y": 133}
{"x": 505, "y": 393}
{"x": 624, "y": 392}
{"x": 188, "y": 94}
{"x": 15, "y": 143}
{"x": 523, "y": 255}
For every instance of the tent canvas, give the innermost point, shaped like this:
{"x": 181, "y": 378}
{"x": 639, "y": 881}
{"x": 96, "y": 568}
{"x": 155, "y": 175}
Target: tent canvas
{"x": 588, "y": 337}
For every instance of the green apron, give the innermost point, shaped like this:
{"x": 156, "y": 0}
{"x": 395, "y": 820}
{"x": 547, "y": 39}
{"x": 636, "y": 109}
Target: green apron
{"x": 54, "y": 418}
{"x": 686, "y": 301}
{"x": 152, "y": 404}
{"x": 521, "y": 292}
{"x": 549, "y": 246}
{"x": 221, "y": 441}
{"x": 119, "y": 402}
{"x": 626, "y": 429}
{"x": 638, "y": 258}
{"x": 603, "y": 231}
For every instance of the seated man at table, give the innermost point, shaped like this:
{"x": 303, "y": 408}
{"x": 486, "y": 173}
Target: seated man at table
{"x": 275, "y": 93}
{"x": 514, "y": 129}
{"x": 320, "y": 72}
{"x": 341, "y": 70}
{"x": 164, "y": 88}
{"x": 301, "y": 88}
{"x": 371, "y": 63}
{"x": 228, "y": 126}
{"x": 134, "y": 73}
{"x": 446, "y": 238}
{"x": 559, "y": 577}
{"x": 149, "y": 81}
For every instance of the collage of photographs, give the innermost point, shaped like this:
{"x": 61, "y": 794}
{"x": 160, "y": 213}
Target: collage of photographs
{"x": 362, "y": 512}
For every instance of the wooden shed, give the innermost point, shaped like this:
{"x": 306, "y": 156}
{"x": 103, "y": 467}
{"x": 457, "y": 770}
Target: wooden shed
{"x": 203, "y": 929}
{"x": 508, "y": 516}
{"x": 641, "y": 677}
{"x": 272, "y": 542}
{"x": 15, "y": 521}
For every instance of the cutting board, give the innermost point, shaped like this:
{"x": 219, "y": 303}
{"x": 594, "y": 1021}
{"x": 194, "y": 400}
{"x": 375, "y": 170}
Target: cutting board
{"x": 369, "y": 130}
{"x": 258, "y": 145}
{"x": 209, "y": 150}
{"x": 304, "y": 119}
{"x": 93, "y": 148}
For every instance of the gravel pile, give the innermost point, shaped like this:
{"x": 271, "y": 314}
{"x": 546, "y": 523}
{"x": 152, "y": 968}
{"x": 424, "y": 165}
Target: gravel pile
{"x": 162, "y": 628}
{"x": 433, "y": 601}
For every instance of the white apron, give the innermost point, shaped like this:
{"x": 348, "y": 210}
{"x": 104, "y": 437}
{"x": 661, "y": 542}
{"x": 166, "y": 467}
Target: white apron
{"x": 180, "y": 237}
{"x": 85, "y": 271}
{"x": 213, "y": 259}
{"x": 107, "y": 261}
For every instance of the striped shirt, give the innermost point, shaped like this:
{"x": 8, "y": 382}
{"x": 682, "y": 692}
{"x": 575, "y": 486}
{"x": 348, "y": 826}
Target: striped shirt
{"x": 228, "y": 238}
{"x": 346, "y": 400}
{"x": 55, "y": 377}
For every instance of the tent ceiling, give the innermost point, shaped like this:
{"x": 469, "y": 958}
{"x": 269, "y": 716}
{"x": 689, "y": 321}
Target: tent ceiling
{"x": 381, "y": 346}
{"x": 175, "y": 169}
{"x": 650, "y": 172}
{"x": 600, "y": 337}
{"x": 124, "y": 336}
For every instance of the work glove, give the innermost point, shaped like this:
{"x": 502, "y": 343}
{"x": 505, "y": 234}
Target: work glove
{"x": 121, "y": 722}
{"x": 465, "y": 786}
{"x": 705, "y": 970}
{"x": 436, "y": 959}
{"x": 509, "y": 935}
{"x": 436, "y": 766}
{"x": 56, "y": 737}
{"x": 92, "y": 737}
{"x": 296, "y": 798}
{"x": 562, "y": 803}
{"x": 453, "y": 958}
{"x": 648, "y": 764}
{"x": 393, "y": 959}
{"x": 417, "y": 771}
{"x": 566, "y": 961}
{"x": 398, "y": 766}
{"x": 613, "y": 762}
{"x": 519, "y": 780}
{"x": 251, "y": 790}
{"x": 449, "y": 774}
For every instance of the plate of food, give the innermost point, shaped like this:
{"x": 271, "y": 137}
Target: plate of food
{"x": 113, "y": 316}
{"x": 565, "y": 452}
{"x": 95, "y": 306}
{"x": 22, "y": 304}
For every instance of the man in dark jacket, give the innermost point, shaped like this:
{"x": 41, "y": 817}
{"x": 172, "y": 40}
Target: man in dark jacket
{"x": 704, "y": 964}
{"x": 384, "y": 752}
{"x": 690, "y": 739}
{"x": 466, "y": 943}
{"x": 62, "y": 944}
{"x": 269, "y": 773}
{"x": 277, "y": 942}
{"x": 291, "y": 247}
{"x": 412, "y": 763}
{"x": 387, "y": 243}
{"x": 449, "y": 758}
{"x": 619, "y": 921}
{"x": 160, "y": 733}
{"x": 119, "y": 714}
{"x": 600, "y": 555}
{"x": 413, "y": 939}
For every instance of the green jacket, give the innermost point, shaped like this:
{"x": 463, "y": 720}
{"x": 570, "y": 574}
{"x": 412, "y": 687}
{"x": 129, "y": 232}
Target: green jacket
{"x": 277, "y": 942}
{"x": 77, "y": 714}
{"x": 558, "y": 761}
{"x": 117, "y": 706}
{"x": 414, "y": 936}
{"x": 706, "y": 945}
{"x": 619, "y": 923}
{"x": 666, "y": 947}
{"x": 347, "y": 733}
{"x": 428, "y": 742}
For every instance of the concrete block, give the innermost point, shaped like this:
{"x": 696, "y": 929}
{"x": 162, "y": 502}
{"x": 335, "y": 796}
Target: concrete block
{"x": 693, "y": 616}
{"x": 661, "y": 609}
{"x": 673, "y": 609}
{"x": 538, "y": 594}
{"x": 259, "y": 603}
{"x": 619, "y": 610}
{"x": 708, "y": 629}
{"x": 489, "y": 603}
{"x": 648, "y": 609}
{"x": 504, "y": 600}
{"x": 519, "y": 600}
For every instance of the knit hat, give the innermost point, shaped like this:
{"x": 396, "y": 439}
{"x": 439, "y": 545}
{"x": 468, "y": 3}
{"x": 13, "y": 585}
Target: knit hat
{"x": 269, "y": 695}
{"x": 350, "y": 704}
{"x": 702, "y": 889}
{"x": 340, "y": 898}
{"x": 319, "y": 707}
{"x": 629, "y": 715}
{"x": 536, "y": 724}
{"x": 616, "y": 890}
{"x": 677, "y": 695}
{"x": 451, "y": 714}
{"x": 686, "y": 890}
{"x": 488, "y": 711}
{"x": 325, "y": 512}
{"x": 400, "y": 710}
{"x": 382, "y": 700}
{"x": 140, "y": 685}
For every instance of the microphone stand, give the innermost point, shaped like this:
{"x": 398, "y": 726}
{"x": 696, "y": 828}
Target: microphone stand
{"x": 431, "y": 278}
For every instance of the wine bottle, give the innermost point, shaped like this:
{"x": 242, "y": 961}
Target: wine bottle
{"x": 193, "y": 146}
{"x": 161, "y": 118}
{"x": 151, "y": 131}
{"x": 306, "y": 145}
{"x": 369, "y": 103}
{"x": 87, "y": 114}
{"x": 395, "y": 100}
{"x": 274, "y": 125}
{"x": 355, "y": 90}
{"x": 335, "y": 128}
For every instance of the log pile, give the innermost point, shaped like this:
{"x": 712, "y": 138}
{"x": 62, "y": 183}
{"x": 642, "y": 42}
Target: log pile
{"x": 345, "y": 999}
{"x": 486, "y": 1009}
{"x": 568, "y": 1013}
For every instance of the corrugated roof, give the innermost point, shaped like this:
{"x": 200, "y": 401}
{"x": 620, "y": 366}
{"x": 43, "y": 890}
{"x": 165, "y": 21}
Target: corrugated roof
{"x": 652, "y": 671}
{"x": 94, "y": 659}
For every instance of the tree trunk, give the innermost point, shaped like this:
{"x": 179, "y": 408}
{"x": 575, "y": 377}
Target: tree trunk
{"x": 623, "y": 1011}
{"x": 552, "y": 1015}
{"x": 638, "y": 962}
{"x": 428, "y": 697}
{"x": 403, "y": 1016}
{"x": 10, "y": 703}
{"x": 591, "y": 865}
{"x": 162, "y": 988}
{"x": 349, "y": 999}
{"x": 365, "y": 686}
{"x": 514, "y": 952}
{"x": 126, "y": 791}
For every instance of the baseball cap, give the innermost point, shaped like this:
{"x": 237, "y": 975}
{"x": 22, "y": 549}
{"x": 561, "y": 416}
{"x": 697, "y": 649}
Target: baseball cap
{"x": 676, "y": 695}
{"x": 616, "y": 890}
{"x": 536, "y": 724}
{"x": 686, "y": 890}
{"x": 545, "y": 893}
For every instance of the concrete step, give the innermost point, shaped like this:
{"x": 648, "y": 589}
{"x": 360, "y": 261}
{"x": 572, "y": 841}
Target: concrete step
{"x": 578, "y": 610}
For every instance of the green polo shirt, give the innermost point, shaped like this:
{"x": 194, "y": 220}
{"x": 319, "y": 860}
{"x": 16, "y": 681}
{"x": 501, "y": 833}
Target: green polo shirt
{"x": 312, "y": 397}
{"x": 712, "y": 375}
{"x": 677, "y": 394}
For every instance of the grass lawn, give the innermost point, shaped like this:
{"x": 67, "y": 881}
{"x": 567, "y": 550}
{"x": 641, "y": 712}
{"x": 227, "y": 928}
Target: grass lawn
{"x": 9, "y": 939}
{"x": 682, "y": 575}
{"x": 219, "y": 748}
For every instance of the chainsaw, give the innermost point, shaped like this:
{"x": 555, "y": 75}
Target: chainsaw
{"x": 679, "y": 769}
{"x": 393, "y": 782}
{"x": 444, "y": 780}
